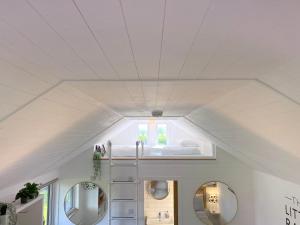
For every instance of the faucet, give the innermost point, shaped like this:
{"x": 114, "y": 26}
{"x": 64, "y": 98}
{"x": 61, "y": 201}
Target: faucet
{"x": 163, "y": 215}
{"x": 167, "y": 215}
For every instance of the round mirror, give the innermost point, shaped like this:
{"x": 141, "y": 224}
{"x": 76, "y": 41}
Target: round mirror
{"x": 85, "y": 203}
{"x": 158, "y": 189}
{"x": 215, "y": 203}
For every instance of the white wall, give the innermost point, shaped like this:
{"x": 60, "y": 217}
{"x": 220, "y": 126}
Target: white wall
{"x": 8, "y": 194}
{"x": 271, "y": 199}
{"x": 190, "y": 175}
{"x": 32, "y": 215}
{"x": 152, "y": 206}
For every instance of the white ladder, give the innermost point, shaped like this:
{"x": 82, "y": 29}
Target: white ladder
{"x": 123, "y": 204}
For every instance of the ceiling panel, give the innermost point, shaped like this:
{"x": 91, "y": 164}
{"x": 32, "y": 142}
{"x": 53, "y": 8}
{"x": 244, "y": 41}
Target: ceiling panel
{"x": 256, "y": 122}
{"x": 106, "y": 20}
{"x": 49, "y": 129}
{"x": 19, "y": 50}
{"x": 46, "y": 42}
{"x": 182, "y": 96}
{"x": 145, "y": 23}
{"x": 242, "y": 38}
{"x": 40, "y": 34}
{"x": 77, "y": 36}
{"x": 182, "y": 23}
{"x": 17, "y": 79}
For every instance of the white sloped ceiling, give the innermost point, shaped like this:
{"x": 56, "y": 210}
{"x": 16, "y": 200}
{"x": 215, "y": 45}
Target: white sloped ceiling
{"x": 48, "y": 130}
{"x": 259, "y": 125}
{"x": 59, "y": 58}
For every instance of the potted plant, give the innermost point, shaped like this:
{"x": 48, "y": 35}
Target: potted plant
{"x": 3, "y": 214}
{"x": 33, "y": 189}
{"x": 99, "y": 152}
{"x": 30, "y": 191}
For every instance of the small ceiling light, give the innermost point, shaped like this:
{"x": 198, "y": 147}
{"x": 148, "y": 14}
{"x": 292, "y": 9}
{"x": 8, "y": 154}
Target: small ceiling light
{"x": 157, "y": 113}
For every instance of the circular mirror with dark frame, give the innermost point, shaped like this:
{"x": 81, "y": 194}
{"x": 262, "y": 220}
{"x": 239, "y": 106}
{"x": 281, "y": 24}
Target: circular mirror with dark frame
{"x": 215, "y": 203}
{"x": 85, "y": 203}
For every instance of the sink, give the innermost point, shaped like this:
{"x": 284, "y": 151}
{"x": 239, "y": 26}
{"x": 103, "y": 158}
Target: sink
{"x": 156, "y": 221}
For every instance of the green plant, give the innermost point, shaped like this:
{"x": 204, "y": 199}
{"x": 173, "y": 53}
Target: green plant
{"x": 32, "y": 188}
{"x": 30, "y": 191}
{"x": 98, "y": 154}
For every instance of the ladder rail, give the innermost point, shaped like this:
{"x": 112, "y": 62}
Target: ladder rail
{"x": 109, "y": 145}
{"x": 135, "y": 182}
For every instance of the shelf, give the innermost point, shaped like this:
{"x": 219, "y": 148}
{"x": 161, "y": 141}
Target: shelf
{"x": 20, "y": 207}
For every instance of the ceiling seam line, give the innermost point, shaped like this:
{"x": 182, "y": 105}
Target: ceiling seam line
{"x": 17, "y": 90}
{"x": 194, "y": 39}
{"x": 102, "y": 104}
{"x": 129, "y": 39}
{"x": 162, "y": 39}
{"x": 132, "y": 52}
{"x": 78, "y": 150}
{"x": 209, "y": 61}
{"x": 95, "y": 38}
{"x": 43, "y": 51}
{"x": 20, "y": 68}
{"x": 160, "y": 51}
{"x": 228, "y": 147}
{"x": 61, "y": 37}
{"x": 189, "y": 50}
{"x": 51, "y": 88}
{"x": 163, "y": 80}
{"x": 30, "y": 101}
{"x": 66, "y": 81}
{"x": 278, "y": 91}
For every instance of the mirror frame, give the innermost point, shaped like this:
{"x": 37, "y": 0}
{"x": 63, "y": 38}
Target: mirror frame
{"x": 149, "y": 189}
{"x": 229, "y": 187}
{"x": 105, "y": 205}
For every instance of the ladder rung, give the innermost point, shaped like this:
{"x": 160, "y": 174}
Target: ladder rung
{"x": 118, "y": 162}
{"x": 123, "y": 182}
{"x": 123, "y": 200}
{"x": 123, "y": 218}
{"x": 123, "y": 165}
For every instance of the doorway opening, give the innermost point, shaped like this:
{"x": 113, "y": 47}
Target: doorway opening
{"x": 161, "y": 202}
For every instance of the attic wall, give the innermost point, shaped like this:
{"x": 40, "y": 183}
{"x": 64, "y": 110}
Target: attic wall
{"x": 35, "y": 139}
{"x": 275, "y": 200}
{"x": 8, "y": 194}
{"x": 259, "y": 125}
{"x": 190, "y": 175}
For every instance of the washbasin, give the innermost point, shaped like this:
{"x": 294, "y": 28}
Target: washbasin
{"x": 156, "y": 221}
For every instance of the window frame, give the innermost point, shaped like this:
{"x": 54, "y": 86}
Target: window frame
{"x": 51, "y": 186}
{"x": 48, "y": 203}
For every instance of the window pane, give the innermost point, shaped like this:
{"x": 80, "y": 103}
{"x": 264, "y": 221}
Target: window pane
{"x": 45, "y": 192}
{"x": 143, "y": 133}
{"x": 161, "y": 134}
